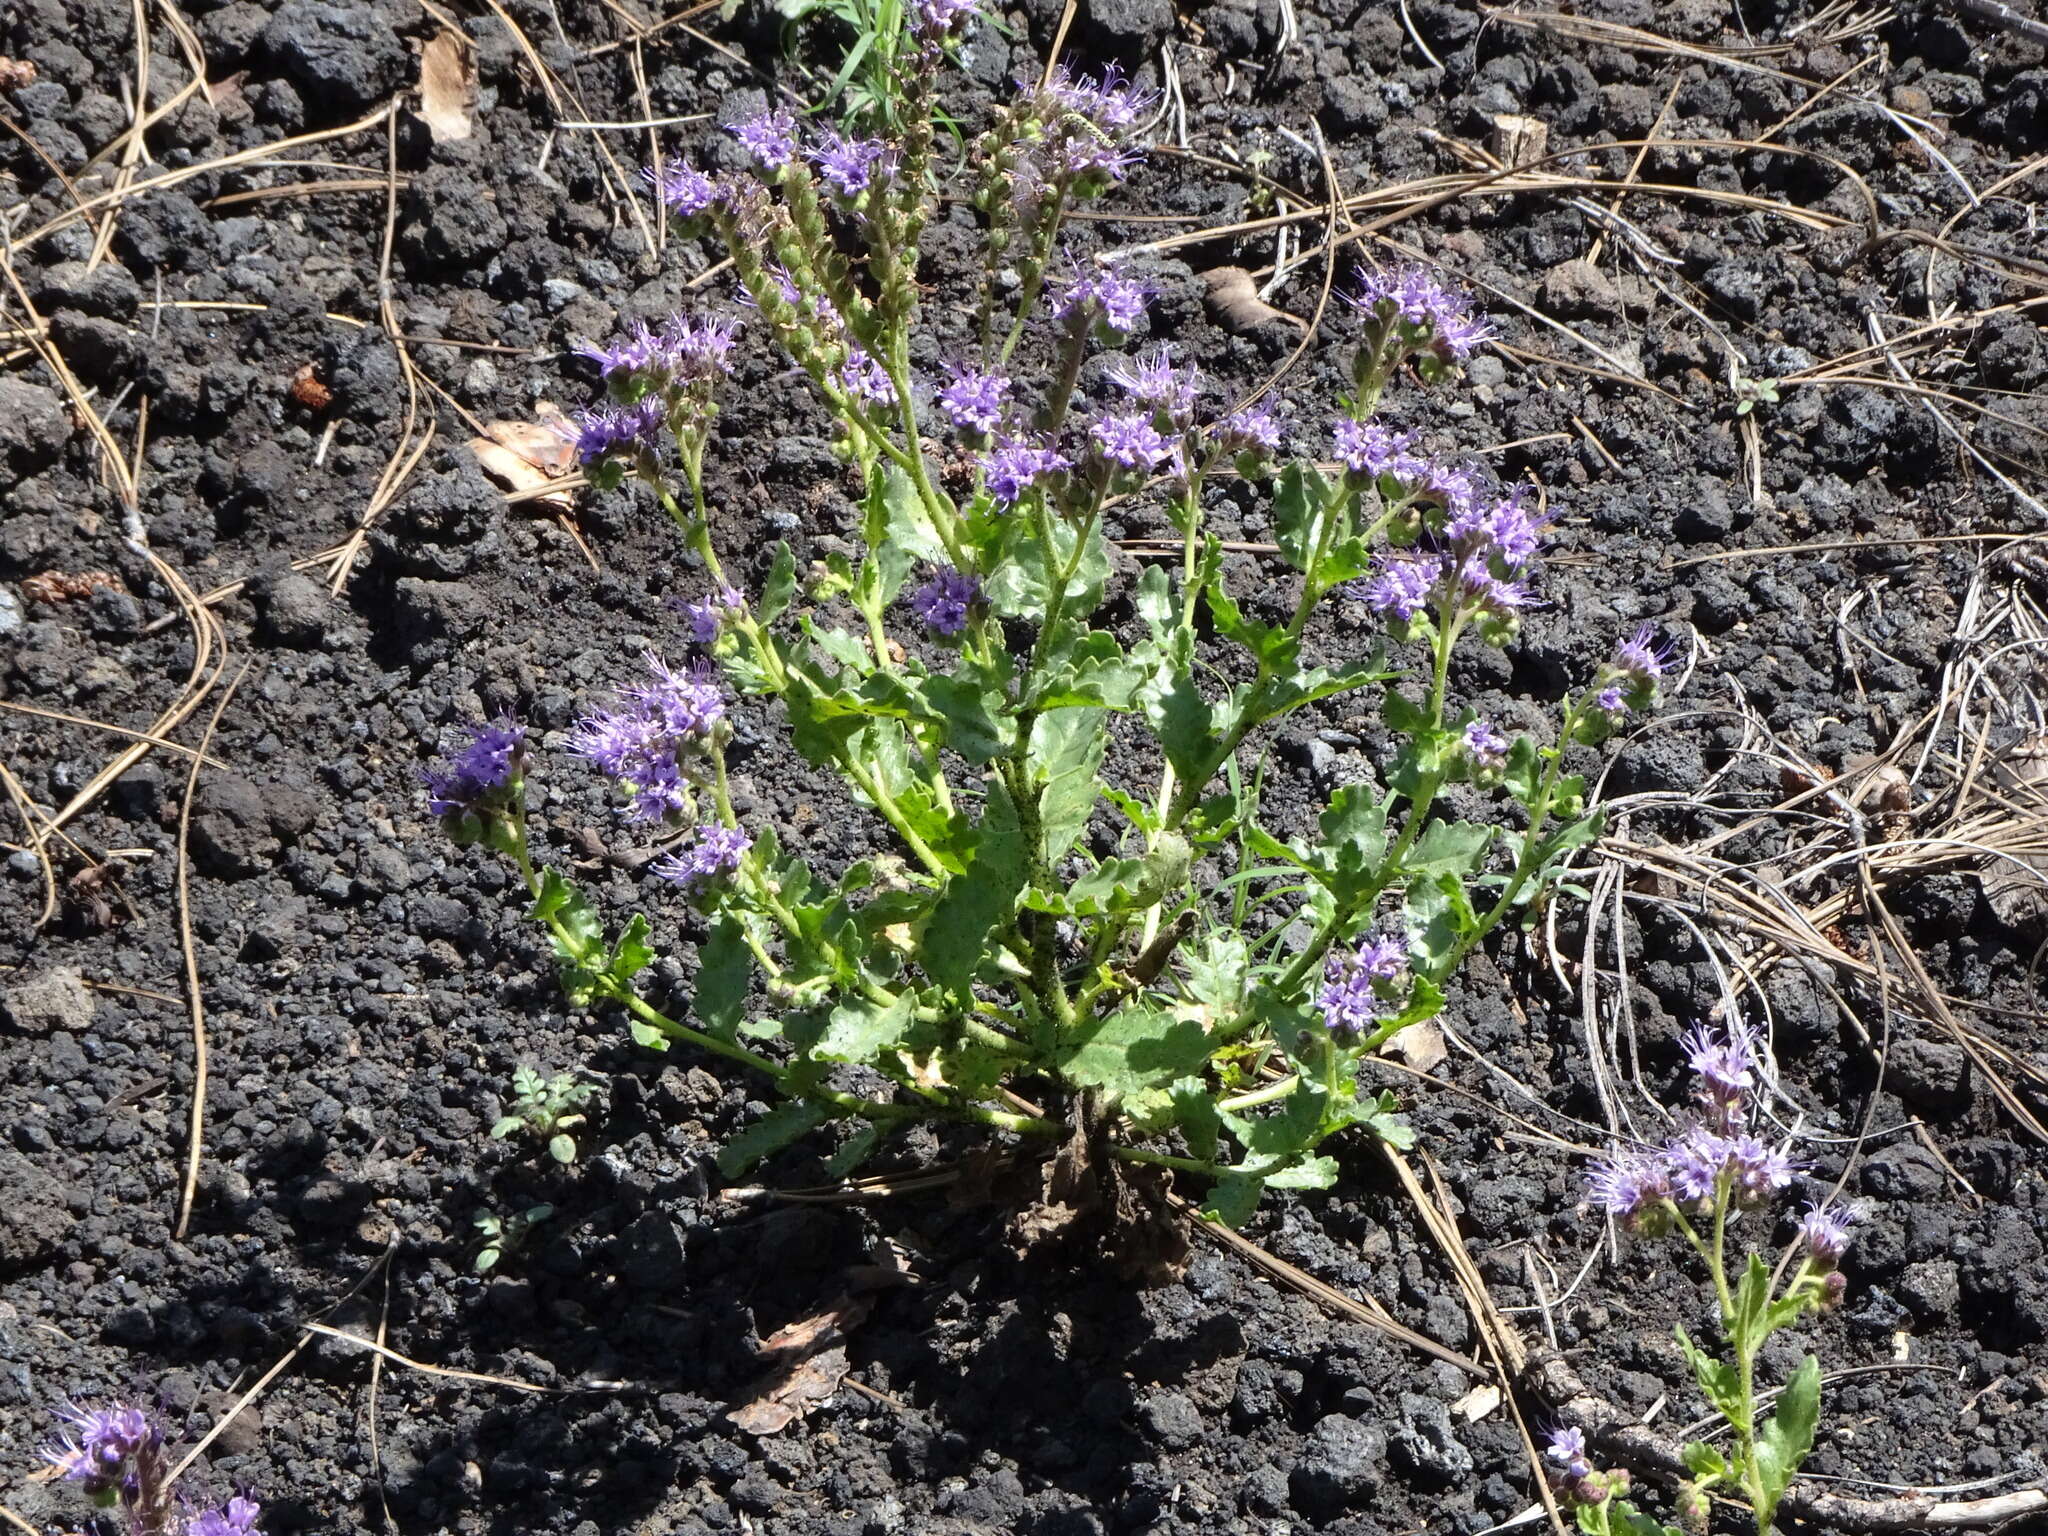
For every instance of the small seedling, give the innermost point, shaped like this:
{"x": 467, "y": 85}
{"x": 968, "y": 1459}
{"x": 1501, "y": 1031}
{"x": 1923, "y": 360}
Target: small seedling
{"x": 503, "y": 1236}
{"x": 549, "y": 1107}
{"x": 1749, "y": 393}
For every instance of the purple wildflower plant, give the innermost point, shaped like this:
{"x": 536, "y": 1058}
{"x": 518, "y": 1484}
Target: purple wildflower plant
{"x": 769, "y": 136}
{"x": 705, "y": 619}
{"x": 1640, "y": 659}
{"x": 1401, "y": 585}
{"x": 709, "y": 854}
{"x": 644, "y": 740}
{"x": 484, "y": 765}
{"x": 1726, "y": 1064}
{"x": 605, "y": 430}
{"x": 684, "y": 190}
{"x": 1017, "y": 464}
{"x": 1434, "y": 315}
{"x": 1825, "y": 1232}
{"x": 1565, "y": 1449}
{"x": 1130, "y": 440}
{"x": 1250, "y": 429}
{"x": 1112, "y": 103}
{"x": 237, "y": 1517}
{"x": 851, "y": 166}
{"x": 1152, "y": 379}
{"x": 1368, "y": 448}
{"x": 975, "y": 399}
{"x": 942, "y": 604}
{"x": 1350, "y": 1001}
{"x": 864, "y": 378}
{"x": 1631, "y": 1184}
{"x": 1105, "y": 294}
{"x": 1612, "y": 699}
{"x": 940, "y": 19}
{"x": 1487, "y": 748}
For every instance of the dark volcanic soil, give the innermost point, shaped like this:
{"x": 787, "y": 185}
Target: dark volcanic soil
{"x": 369, "y": 990}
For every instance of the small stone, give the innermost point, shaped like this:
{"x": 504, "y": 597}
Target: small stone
{"x": 1933, "y": 1289}
{"x": 1577, "y": 289}
{"x": 34, "y": 426}
{"x": 343, "y": 56}
{"x": 33, "y": 1217}
{"x": 1933, "y": 1074}
{"x": 1341, "y": 1466}
{"x": 1130, "y": 29}
{"x": 48, "y": 1000}
{"x": 653, "y": 1256}
{"x": 100, "y": 351}
{"x": 1172, "y": 1420}
{"x": 1427, "y": 1442}
{"x": 1906, "y": 1171}
{"x": 293, "y": 609}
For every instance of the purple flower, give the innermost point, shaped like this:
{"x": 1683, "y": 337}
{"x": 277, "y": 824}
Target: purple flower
{"x": 629, "y": 354}
{"x": 237, "y": 1517}
{"x": 684, "y": 190}
{"x": 769, "y": 136}
{"x": 1082, "y": 155}
{"x": 1109, "y": 103}
{"x": 942, "y": 602}
{"x": 1016, "y": 464}
{"x": 1826, "y": 1234}
{"x": 707, "y": 616}
{"x": 1726, "y": 1065}
{"x": 1367, "y": 448}
{"x": 1443, "y": 317}
{"x": 1759, "y": 1171}
{"x": 1402, "y": 584}
{"x": 1488, "y": 747}
{"x": 1131, "y": 440}
{"x": 940, "y": 18}
{"x": 1383, "y": 958}
{"x": 1347, "y": 1001}
{"x": 862, "y": 377}
{"x": 1630, "y": 1183}
{"x": 708, "y": 854}
{"x": 1642, "y": 660}
{"x": 1566, "y": 1450}
{"x": 1153, "y": 380}
{"x": 1251, "y": 429}
{"x": 609, "y": 429}
{"x": 640, "y": 742}
{"x": 695, "y": 349}
{"x": 1105, "y": 292}
{"x": 1612, "y": 699}
{"x": 850, "y": 166}
{"x": 974, "y": 401}
{"x": 481, "y": 766}
{"x": 1487, "y": 592}
{"x": 1514, "y": 532}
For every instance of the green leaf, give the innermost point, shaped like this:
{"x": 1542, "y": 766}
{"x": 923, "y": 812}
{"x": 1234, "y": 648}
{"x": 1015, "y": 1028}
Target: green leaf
{"x": 1154, "y": 599}
{"x": 1021, "y": 584}
{"x": 1400, "y": 715}
{"x": 1449, "y": 847}
{"x": 1575, "y": 834}
{"x": 560, "y": 903}
{"x": 1066, "y": 754}
{"x": 1215, "y": 967}
{"x": 857, "y": 1149}
{"x": 980, "y": 898}
{"x": 1184, "y": 722}
{"x": 1309, "y": 1173}
{"x": 1524, "y": 769}
{"x": 1354, "y": 828}
{"x": 1090, "y": 669}
{"x": 632, "y": 954}
{"x": 1272, "y": 1140}
{"x": 646, "y": 1035}
{"x": 1270, "y": 644}
{"x": 771, "y": 1133}
{"x": 780, "y": 586}
{"x": 1302, "y": 504}
{"x": 1626, "y": 1520}
{"x": 725, "y": 970}
{"x": 1233, "y": 1198}
{"x": 1291, "y": 690}
{"x": 860, "y": 1029}
{"x": 970, "y": 713}
{"x": 1718, "y": 1380}
{"x": 562, "y": 1149}
{"x": 1438, "y": 917}
{"x": 1135, "y": 1048}
{"x": 1194, "y": 1111}
{"x": 1752, "y": 1296}
{"x": 1705, "y": 1461}
{"x": 1787, "y": 1436}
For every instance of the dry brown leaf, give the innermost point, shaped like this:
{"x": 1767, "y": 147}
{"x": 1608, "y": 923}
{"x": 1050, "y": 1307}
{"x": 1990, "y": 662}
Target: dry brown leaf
{"x": 527, "y": 455}
{"x": 1234, "y": 299}
{"x": 307, "y": 389}
{"x": 1420, "y": 1045}
{"x": 809, "y": 1358}
{"x": 447, "y": 87}
{"x": 1478, "y": 1403}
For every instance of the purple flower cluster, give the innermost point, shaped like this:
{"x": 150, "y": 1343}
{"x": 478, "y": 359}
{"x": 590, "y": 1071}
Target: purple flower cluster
{"x": 101, "y": 1444}
{"x": 1349, "y": 1001}
{"x": 237, "y": 1517}
{"x": 684, "y": 190}
{"x": 1826, "y": 1235}
{"x": 683, "y": 351}
{"x": 1111, "y": 103}
{"x": 1103, "y": 293}
{"x": 769, "y": 136}
{"x": 1714, "y": 1154}
{"x": 1016, "y": 464}
{"x": 1483, "y": 552}
{"x": 1130, "y": 440}
{"x": 483, "y": 765}
{"x": 604, "y": 430}
{"x": 1250, "y": 429}
{"x": 643, "y": 741}
{"x": 1440, "y": 317}
{"x": 943, "y": 602}
{"x": 851, "y": 166}
{"x": 1488, "y": 748}
{"x": 706, "y": 617}
{"x": 940, "y": 19}
{"x": 709, "y": 854}
{"x": 974, "y": 401}
{"x": 864, "y": 378}
{"x": 1152, "y": 379}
